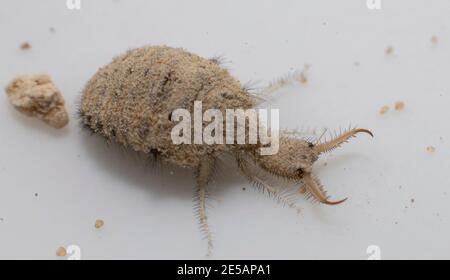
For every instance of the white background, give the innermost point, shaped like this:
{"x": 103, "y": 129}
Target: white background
{"x": 148, "y": 213}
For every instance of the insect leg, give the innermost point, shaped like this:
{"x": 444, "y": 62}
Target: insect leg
{"x": 282, "y": 197}
{"x": 204, "y": 172}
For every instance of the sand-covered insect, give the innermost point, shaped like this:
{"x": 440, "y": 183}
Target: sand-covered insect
{"x": 130, "y": 101}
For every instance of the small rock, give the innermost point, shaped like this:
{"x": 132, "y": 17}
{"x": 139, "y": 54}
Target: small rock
{"x": 37, "y": 96}
{"x": 399, "y": 106}
{"x": 434, "y": 39}
{"x": 25, "y": 46}
{"x": 61, "y": 252}
{"x": 384, "y": 110}
{"x": 99, "y": 224}
{"x": 389, "y": 50}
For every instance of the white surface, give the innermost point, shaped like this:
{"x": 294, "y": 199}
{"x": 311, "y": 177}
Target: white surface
{"x": 148, "y": 214}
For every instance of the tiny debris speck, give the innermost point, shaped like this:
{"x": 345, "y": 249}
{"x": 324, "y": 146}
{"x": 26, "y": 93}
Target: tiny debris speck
{"x": 61, "y": 252}
{"x": 399, "y": 106}
{"x": 389, "y": 50}
{"x": 434, "y": 39}
{"x": 99, "y": 224}
{"x": 25, "y": 46}
{"x": 384, "y": 110}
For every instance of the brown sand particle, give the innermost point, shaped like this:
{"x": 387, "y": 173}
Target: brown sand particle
{"x": 431, "y": 149}
{"x": 61, "y": 252}
{"x": 389, "y": 50}
{"x": 399, "y": 106}
{"x": 99, "y": 224}
{"x": 37, "y": 96}
{"x": 25, "y": 46}
{"x": 384, "y": 110}
{"x": 434, "y": 39}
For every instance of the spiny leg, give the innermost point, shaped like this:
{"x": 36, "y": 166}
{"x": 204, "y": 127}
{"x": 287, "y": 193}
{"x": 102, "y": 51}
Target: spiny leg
{"x": 262, "y": 185}
{"x": 204, "y": 173}
{"x": 298, "y": 76}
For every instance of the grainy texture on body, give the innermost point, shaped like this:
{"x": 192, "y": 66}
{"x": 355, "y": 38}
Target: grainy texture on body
{"x": 131, "y": 99}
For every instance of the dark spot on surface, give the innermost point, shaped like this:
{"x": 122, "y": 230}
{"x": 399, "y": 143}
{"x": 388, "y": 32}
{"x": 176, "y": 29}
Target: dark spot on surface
{"x": 166, "y": 79}
{"x": 99, "y": 126}
{"x": 300, "y": 171}
{"x": 85, "y": 122}
{"x": 311, "y": 145}
{"x": 79, "y": 114}
{"x": 170, "y": 116}
{"x": 226, "y": 95}
{"x": 154, "y": 154}
{"x": 25, "y": 46}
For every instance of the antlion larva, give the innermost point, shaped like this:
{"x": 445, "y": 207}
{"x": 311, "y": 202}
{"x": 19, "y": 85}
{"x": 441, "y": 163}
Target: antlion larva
{"x": 130, "y": 101}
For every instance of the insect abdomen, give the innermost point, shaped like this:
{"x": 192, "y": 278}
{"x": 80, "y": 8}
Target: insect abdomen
{"x": 131, "y": 99}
